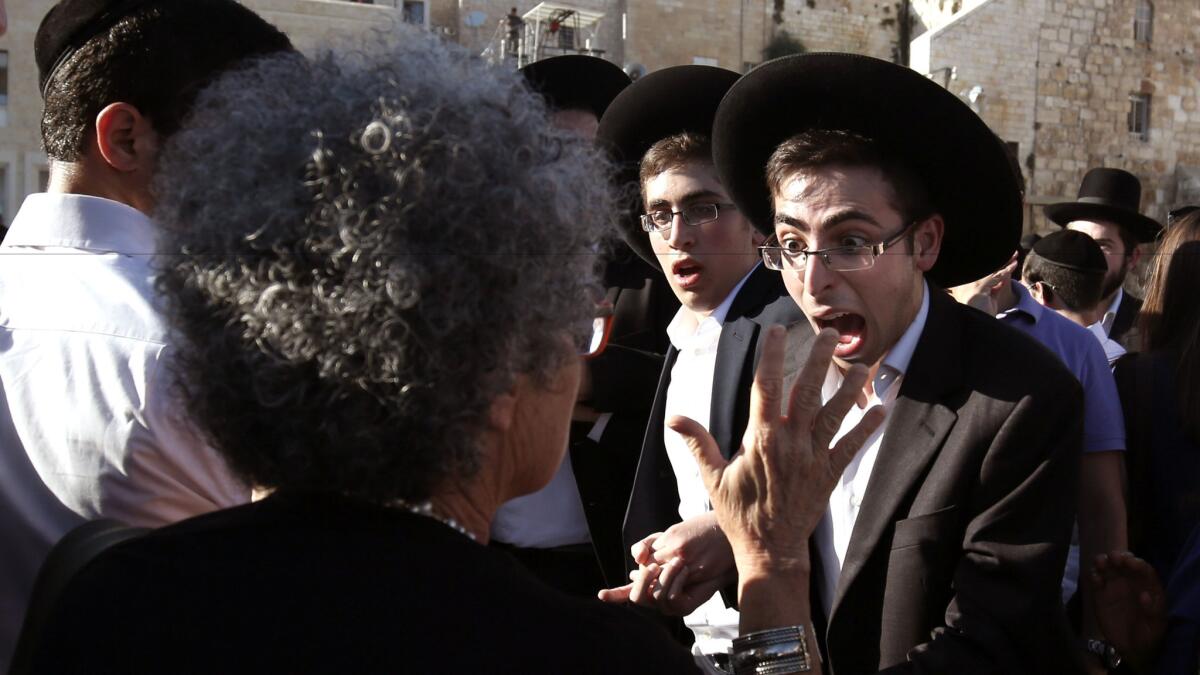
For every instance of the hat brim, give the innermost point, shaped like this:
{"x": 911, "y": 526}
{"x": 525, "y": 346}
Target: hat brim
{"x": 659, "y": 105}
{"x": 576, "y": 82}
{"x": 964, "y": 165}
{"x": 1143, "y": 228}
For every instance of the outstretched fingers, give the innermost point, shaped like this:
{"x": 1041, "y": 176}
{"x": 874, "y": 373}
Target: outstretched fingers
{"x": 704, "y": 449}
{"x": 766, "y": 397}
{"x": 849, "y": 445}
{"x": 829, "y": 420}
{"x": 804, "y": 402}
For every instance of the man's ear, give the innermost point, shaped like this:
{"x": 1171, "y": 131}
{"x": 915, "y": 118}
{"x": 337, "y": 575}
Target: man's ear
{"x": 1036, "y": 291}
{"x": 125, "y": 138}
{"x": 927, "y": 241}
{"x": 1135, "y": 255}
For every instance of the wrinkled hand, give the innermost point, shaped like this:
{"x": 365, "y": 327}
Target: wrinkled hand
{"x": 981, "y": 294}
{"x": 678, "y": 570}
{"x": 769, "y": 499}
{"x": 1130, "y": 605}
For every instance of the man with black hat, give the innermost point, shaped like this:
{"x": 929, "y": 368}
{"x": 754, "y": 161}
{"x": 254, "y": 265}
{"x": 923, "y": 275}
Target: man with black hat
{"x": 705, "y": 248}
{"x": 942, "y": 544}
{"x": 88, "y": 426}
{"x": 562, "y": 531}
{"x": 1107, "y": 209}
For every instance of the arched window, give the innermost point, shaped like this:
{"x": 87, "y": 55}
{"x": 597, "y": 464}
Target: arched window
{"x": 1143, "y": 21}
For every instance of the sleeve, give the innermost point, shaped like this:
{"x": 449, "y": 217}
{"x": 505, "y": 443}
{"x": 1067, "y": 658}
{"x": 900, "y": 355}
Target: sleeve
{"x": 170, "y": 472}
{"x": 1103, "y": 422}
{"x": 624, "y": 380}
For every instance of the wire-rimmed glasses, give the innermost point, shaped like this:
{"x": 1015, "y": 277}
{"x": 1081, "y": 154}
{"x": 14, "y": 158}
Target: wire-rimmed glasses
{"x": 662, "y": 220}
{"x": 837, "y": 258}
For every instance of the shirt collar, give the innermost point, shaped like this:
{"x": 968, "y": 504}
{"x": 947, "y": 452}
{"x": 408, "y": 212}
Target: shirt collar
{"x": 1110, "y": 315}
{"x": 55, "y": 219}
{"x": 687, "y": 323}
{"x": 1025, "y": 303}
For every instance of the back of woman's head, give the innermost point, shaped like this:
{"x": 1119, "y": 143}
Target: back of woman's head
{"x": 375, "y": 244}
{"x": 1170, "y": 319}
{"x": 1170, "y": 315}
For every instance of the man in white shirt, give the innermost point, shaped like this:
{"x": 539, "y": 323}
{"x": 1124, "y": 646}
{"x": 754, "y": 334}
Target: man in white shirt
{"x": 88, "y": 428}
{"x": 1108, "y": 210}
{"x": 942, "y": 544}
{"x": 706, "y": 249}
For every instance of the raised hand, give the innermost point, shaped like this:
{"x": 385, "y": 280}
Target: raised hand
{"x": 1130, "y": 605}
{"x": 770, "y": 497}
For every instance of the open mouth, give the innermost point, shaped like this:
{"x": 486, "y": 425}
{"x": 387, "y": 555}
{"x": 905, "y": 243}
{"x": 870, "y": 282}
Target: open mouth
{"x": 686, "y": 273}
{"x": 851, "y": 329}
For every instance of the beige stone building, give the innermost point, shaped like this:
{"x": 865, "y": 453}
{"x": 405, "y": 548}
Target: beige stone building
{"x": 23, "y": 167}
{"x": 1075, "y": 84}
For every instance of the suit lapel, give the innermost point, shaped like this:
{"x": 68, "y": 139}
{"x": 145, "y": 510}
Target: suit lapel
{"x": 916, "y": 427}
{"x": 735, "y": 352}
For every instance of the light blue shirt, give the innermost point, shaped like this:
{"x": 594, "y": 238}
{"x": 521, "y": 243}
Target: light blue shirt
{"x": 1103, "y": 423}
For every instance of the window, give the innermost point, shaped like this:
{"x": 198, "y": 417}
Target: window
{"x": 5, "y": 216}
{"x": 414, "y": 12}
{"x": 43, "y": 179}
{"x": 1139, "y": 115}
{"x": 1143, "y": 21}
{"x": 3, "y": 88}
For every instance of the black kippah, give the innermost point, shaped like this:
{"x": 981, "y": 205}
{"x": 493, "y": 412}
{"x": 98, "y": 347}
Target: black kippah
{"x": 1072, "y": 250}
{"x": 71, "y": 23}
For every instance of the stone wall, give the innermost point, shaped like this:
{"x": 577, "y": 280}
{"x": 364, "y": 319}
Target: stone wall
{"x": 861, "y": 26}
{"x": 661, "y": 33}
{"x": 1057, "y": 76}
{"x": 1090, "y": 65}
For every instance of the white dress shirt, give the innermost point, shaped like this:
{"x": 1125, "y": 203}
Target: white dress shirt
{"x": 837, "y": 525}
{"x": 1106, "y": 322}
{"x": 88, "y": 424}
{"x": 550, "y": 517}
{"x": 690, "y": 394}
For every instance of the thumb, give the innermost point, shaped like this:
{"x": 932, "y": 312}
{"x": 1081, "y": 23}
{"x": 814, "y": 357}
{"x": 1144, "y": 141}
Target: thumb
{"x": 704, "y": 449}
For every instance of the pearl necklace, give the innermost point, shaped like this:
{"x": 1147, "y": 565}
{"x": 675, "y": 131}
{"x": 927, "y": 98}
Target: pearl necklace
{"x": 425, "y": 508}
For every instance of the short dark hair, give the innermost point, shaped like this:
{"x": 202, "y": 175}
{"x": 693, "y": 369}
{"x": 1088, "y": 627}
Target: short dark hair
{"x": 1077, "y": 289}
{"x": 673, "y": 152}
{"x": 820, "y": 148}
{"x": 156, "y": 59}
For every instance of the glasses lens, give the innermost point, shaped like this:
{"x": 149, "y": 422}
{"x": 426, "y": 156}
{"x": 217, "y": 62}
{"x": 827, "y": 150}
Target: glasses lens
{"x": 594, "y": 343}
{"x": 700, "y": 213}
{"x": 849, "y": 259}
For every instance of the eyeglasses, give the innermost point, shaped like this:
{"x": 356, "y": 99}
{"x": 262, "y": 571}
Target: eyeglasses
{"x": 592, "y": 344}
{"x": 695, "y": 214}
{"x": 837, "y": 258}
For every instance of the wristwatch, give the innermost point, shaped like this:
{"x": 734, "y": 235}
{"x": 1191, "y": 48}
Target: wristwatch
{"x": 1107, "y": 653}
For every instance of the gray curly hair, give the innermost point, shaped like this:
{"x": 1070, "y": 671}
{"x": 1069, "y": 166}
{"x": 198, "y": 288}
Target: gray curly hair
{"x": 362, "y": 252}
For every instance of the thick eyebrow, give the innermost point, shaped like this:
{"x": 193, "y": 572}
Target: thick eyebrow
{"x": 688, "y": 198}
{"x": 830, "y": 221}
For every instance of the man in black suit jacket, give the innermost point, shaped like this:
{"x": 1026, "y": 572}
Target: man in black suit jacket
{"x": 705, "y": 248}
{"x": 942, "y": 544}
{"x": 546, "y": 531}
{"x": 1108, "y": 210}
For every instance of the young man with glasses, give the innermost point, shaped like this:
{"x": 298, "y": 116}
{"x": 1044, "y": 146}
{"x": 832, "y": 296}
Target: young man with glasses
{"x": 688, "y": 227}
{"x": 941, "y": 546}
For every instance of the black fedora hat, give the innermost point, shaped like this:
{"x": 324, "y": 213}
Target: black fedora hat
{"x": 1108, "y": 194}
{"x": 576, "y": 81}
{"x": 963, "y": 164}
{"x": 659, "y": 105}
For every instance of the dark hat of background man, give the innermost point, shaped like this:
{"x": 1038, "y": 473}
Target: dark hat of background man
{"x": 1109, "y": 195}
{"x": 71, "y": 23}
{"x": 1072, "y": 250}
{"x": 963, "y": 164}
{"x": 576, "y": 82}
{"x": 659, "y": 105}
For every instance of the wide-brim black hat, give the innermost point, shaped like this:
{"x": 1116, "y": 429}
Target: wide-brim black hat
{"x": 576, "y": 81}
{"x": 963, "y": 164}
{"x": 659, "y": 105}
{"x": 1111, "y": 195}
